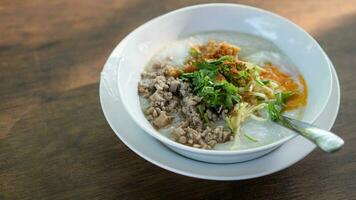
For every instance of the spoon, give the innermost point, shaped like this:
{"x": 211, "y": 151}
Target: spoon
{"x": 327, "y": 141}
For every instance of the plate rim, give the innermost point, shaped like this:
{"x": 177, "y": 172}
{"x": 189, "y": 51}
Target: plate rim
{"x": 121, "y": 45}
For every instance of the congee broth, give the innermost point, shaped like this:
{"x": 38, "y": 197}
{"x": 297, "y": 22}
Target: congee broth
{"x": 221, "y": 90}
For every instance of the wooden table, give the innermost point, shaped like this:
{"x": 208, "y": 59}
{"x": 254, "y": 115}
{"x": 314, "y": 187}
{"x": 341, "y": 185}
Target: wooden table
{"x": 56, "y": 144}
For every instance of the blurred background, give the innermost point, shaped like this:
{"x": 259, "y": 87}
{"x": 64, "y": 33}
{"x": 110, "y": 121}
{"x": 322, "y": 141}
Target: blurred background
{"x": 56, "y": 144}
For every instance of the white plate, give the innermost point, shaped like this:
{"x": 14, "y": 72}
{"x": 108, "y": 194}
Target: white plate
{"x": 153, "y": 151}
{"x": 144, "y": 41}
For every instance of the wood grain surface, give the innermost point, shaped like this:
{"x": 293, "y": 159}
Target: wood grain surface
{"x": 56, "y": 144}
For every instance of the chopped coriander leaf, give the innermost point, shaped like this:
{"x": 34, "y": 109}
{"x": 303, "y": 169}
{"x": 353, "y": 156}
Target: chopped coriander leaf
{"x": 230, "y": 88}
{"x": 186, "y": 76}
{"x": 243, "y": 74}
{"x": 226, "y": 71}
{"x": 222, "y": 59}
{"x": 209, "y": 95}
{"x": 282, "y": 97}
{"x": 274, "y": 110}
{"x": 214, "y": 93}
{"x": 226, "y": 57}
{"x": 228, "y": 101}
{"x": 206, "y": 66}
{"x": 225, "y": 68}
{"x": 236, "y": 98}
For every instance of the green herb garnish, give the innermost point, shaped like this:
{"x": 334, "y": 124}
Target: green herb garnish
{"x": 275, "y": 108}
{"x": 214, "y": 93}
{"x": 274, "y": 111}
{"x": 226, "y": 71}
{"x": 283, "y": 96}
{"x": 222, "y": 59}
{"x": 193, "y": 52}
{"x": 206, "y": 119}
{"x": 250, "y": 137}
{"x": 265, "y": 82}
{"x": 257, "y": 77}
{"x": 243, "y": 74}
{"x": 228, "y": 123}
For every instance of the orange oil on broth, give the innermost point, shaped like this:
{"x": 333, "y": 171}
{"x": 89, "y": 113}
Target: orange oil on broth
{"x": 287, "y": 83}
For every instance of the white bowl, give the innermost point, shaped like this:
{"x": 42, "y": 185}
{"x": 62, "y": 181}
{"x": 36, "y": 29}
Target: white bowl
{"x": 140, "y": 45}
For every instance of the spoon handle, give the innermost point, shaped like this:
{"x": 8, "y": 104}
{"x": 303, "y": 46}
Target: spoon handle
{"x": 326, "y": 140}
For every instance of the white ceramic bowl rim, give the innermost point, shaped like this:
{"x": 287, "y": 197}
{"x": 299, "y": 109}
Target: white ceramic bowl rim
{"x": 166, "y": 140}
